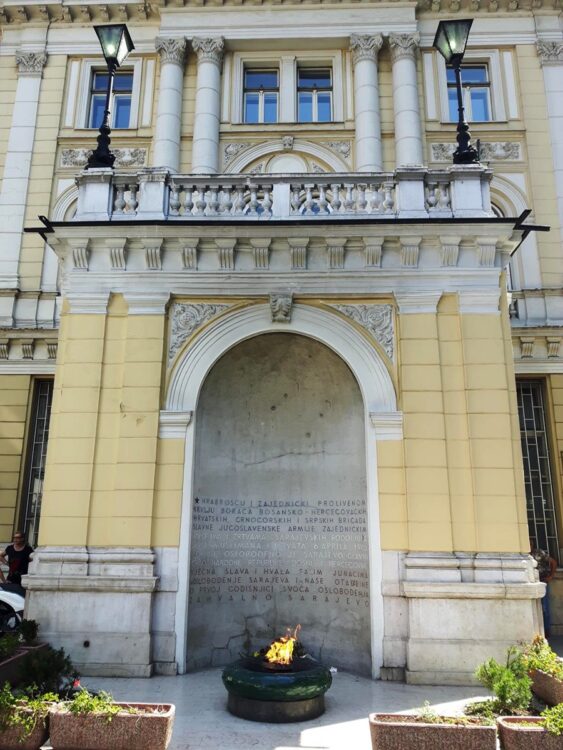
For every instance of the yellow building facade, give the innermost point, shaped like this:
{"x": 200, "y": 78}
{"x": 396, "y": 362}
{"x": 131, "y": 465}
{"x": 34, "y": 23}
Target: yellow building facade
{"x": 284, "y": 362}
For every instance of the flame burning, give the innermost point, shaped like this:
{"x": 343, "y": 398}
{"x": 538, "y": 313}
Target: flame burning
{"x": 281, "y": 651}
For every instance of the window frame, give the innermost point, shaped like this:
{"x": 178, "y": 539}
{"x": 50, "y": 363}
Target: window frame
{"x": 97, "y": 65}
{"x": 466, "y": 92}
{"x": 261, "y": 95}
{"x": 115, "y": 93}
{"x": 315, "y": 96}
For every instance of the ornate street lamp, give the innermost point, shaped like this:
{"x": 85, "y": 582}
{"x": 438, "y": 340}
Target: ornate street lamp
{"x": 450, "y": 41}
{"x": 116, "y": 45}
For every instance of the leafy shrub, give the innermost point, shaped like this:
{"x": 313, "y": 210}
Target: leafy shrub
{"x": 29, "y": 630}
{"x": 509, "y": 683}
{"x": 9, "y": 644}
{"x": 539, "y": 655}
{"x": 100, "y": 703}
{"x": 553, "y": 719}
{"x": 427, "y": 715}
{"x": 47, "y": 670}
{"x": 23, "y": 711}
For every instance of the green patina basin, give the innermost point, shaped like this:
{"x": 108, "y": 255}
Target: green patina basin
{"x": 300, "y": 685}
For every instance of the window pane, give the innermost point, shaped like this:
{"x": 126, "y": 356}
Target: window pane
{"x": 480, "y": 105}
{"x": 251, "y": 108}
{"x": 122, "y": 110}
{"x": 314, "y": 79}
{"x": 100, "y": 82}
{"x": 305, "y": 107}
{"x": 450, "y": 75}
{"x": 255, "y": 79}
{"x": 270, "y": 107}
{"x": 474, "y": 74}
{"x": 323, "y": 106}
{"x": 123, "y": 82}
{"x": 452, "y": 104}
{"x": 97, "y": 110}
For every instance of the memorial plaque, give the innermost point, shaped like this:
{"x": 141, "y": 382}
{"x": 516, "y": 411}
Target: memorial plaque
{"x": 279, "y": 529}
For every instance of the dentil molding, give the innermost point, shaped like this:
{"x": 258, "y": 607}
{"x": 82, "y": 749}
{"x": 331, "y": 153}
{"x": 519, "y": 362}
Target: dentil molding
{"x": 186, "y": 318}
{"x": 171, "y": 50}
{"x": 376, "y": 319}
{"x": 365, "y": 47}
{"x": 209, "y": 50}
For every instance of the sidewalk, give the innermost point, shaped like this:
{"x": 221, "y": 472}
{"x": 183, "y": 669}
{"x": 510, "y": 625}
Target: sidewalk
{"x": 203, "y": 723}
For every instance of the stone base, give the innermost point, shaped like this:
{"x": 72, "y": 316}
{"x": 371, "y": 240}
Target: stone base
{"x": 276, "y": 712}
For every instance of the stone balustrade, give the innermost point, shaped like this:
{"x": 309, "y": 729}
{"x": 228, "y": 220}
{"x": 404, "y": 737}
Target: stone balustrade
{"x": 457, "y": 192}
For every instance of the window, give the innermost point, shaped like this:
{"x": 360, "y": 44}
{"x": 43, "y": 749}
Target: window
{"x": 261, "y": 88}
{"x": 314, "y": 95}
{"x": 476, "y": 93}
{"x": 120, "y": 105}
{"x": 36, "y": 455}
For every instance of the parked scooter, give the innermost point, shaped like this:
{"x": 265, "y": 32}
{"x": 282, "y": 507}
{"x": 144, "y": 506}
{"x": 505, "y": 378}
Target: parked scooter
{"x": 12, "y": 601}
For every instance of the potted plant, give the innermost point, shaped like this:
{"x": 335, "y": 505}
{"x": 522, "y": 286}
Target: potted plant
{"x": 97, "y": 722}
{"x": 426, "y": 729}
{"x": 545, "y": 669}
{"x": 543, "y": 732}
{"x": 23, "y": 720}
{"x": 510, "y": 685}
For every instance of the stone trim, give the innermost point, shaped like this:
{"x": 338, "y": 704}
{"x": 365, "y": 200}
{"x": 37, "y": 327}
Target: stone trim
{"x": 173, "y": 424}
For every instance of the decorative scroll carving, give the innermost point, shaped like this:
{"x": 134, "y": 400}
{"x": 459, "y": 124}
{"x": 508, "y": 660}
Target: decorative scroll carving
{"x": 409, "y": 252}
{"x": 81, "y": 255}
{"x": 317, "y": 169}
{"x": 186, "y": 318}
{"x": 189, "y": 255}
{"x": 281, "y": 306}
{"x": 28, "y": 348}
{"x": 376, "y": 319}
{"x": 258, "y": 169}
{"x": 153, "y": 255}
{"x": 171, "y": 50}
{"x": 124, "y": 157}
{"x": 550, "y": 52}
{"x": 287, "y": 142}
{"x": 403, "y": 45}
{"x": 365, "y": 47}
{"x": 231, "y": 150}
{"x": 52, "y": 345}
{"x": 527, "y": 346}
{"x": 261, "y": 252}
{"x": 298, "y": 252}
{"x": 209, "y": 50}
{"x": 490, "y": 151}
{"x": 335, "y": 248}
{"x": 4, "y": 348}
{"x": 342, "y": 148}
{"x": 553, "y": 346}
{"x": 31, "y": 63}
{"x": 372, "y": 252}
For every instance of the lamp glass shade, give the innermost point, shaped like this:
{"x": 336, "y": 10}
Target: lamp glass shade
{"x": 115, "y": 41}
{"x": 451, "y": 39}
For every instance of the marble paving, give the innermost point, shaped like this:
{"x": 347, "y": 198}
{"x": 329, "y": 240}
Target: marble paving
{"x": 202, "y": 721}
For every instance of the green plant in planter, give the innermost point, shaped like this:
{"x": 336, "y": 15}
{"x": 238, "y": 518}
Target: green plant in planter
{"x": 538, "y": 654}
{"x": 29, "y": 630}
{"x": 9, "y": 644}
{"x": 23, "y": 712}
{"x": 553, "y": 719}
{"x": 102, "y": 703}
{"x": 509, "y": 683}
{"x": 48, "y": 670}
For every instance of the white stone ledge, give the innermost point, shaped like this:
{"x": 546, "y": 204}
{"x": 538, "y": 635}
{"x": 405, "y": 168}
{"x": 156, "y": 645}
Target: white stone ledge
{"x": 426, "y": 590}
{"x": 97, "y": 584}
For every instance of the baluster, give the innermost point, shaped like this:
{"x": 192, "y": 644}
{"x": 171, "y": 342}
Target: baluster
{"x": 375, "y": 199}
{"x": 362, "y": 202}
{"x": 226, "y": 203}
{"x": 174, "y": 199}
{"x": 188, "y": 200}
{"x": 349, "y": 199}
{"x": 309, "y": 202}
{"x": 132, "y": 203}
{"x": 213, "y": 202}
{"x": 253, "y": 207}
{"x": 200, "y": 201}
{"x": 267, "y": 201}
{"x": 119, "y": 203}
{"x": 239, "y": 201}
{"x": 295, "y": 190}
{"x": 335, "y": 203}
{"x": 323, "y": 203}
{"x": 444, "y": 203}
{"x": 388, "y": 201}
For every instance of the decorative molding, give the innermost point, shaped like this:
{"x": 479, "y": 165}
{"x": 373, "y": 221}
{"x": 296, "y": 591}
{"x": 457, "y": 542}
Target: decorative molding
{"x": 30, "y": 63}
{"x": 365, "y": 47}
{"x": 118, "y": 254}
{"x": 52, "y": 346}
{"x": 88, "y": 303}
{"x": 298, "y": 252}
{"x": 226, "y": 254}
{"x": 187, "y": 318}
{"x": 287, "y": 142}
{"x": 173, "y": 424}
{"x": 261, "y": 252}
{"x": 376, "y": 319}
{"x": 208, "y": 50}
{"x": 258, "y": 168}
{"x": 484, "y": 302}
{"x": 189, "y": 255}
{"x": 373, "y": 249}
{"x": 153, "y": 254}
{"x": 527, "y": 346}
{"x": 553, "y": 346}
{"x": 232, "y": 150}
{"x": 171, "y": 50}
{"x": 486, "y": 253}
{"x": 281, "y": 307}
{"x": 412, "y": 303}
{"x": 80, "y": 255}
{"x": 342, "y": 148}
{"x": 5, "y": 348}
{"x": 550, "y": 52}
{"x": 335, "y": 249}
{"x": 403, "y": 45}
{"x": 146, "y": 303}
{"x": 410, "y": 249}
{"x": 490, "y": 151}
{"x": 450, "y": 250}
{"x": 387, "y": 425}
{"x": 124, "y": 157}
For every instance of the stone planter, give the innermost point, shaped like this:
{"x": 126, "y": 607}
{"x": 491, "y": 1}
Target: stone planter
{"x": 151, "y": 730}
{"x": 515, "y": 735}
{"x": 11, "y": 738}
{"x": 547, "y": 687}
{"x": 399, "y": 732}
{"x": 10, "y": 668}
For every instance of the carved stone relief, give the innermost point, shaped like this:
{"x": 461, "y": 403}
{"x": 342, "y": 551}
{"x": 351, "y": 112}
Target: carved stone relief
{"x": 281, "y": 306}
{"x": 376, "y": 319}
{"x": 364, "y": 47}
{"x": 550, "y": 52}
{"x": 342, "y": 148}
{"x": 124, "y": 157}
{"x": 171, "y": 50}
{"x": 490, "y": 151}
{"x": 30, "y": 63}
{"x": 231, "y": 150}
{"x": 209, "y": 50}
{"x": 186, "y": 318}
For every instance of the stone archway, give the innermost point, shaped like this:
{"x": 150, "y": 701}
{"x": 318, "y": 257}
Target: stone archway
{"x": 279, "y": 520}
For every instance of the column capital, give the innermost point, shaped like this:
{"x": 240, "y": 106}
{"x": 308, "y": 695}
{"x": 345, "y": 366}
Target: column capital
{"x": 365, "y": 47}
{"x": 550, "y": 52}
{"x": 31, "y": 63}
{"x": 209, "y": 49}
{"x": 171, "y": 50}
{"x": 403, "y": 45}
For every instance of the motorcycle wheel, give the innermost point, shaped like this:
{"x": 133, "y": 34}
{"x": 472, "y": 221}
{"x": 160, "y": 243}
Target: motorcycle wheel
{"x": 9, "y": 618}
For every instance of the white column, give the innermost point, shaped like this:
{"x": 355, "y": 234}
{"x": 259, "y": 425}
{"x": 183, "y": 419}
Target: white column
{"x": 408, "y": 138}
{"x": 166, "y": 148}
{"x": 205, "y": 147}
{"x": 366, "y": 102}
{"x": 15, "y": 183}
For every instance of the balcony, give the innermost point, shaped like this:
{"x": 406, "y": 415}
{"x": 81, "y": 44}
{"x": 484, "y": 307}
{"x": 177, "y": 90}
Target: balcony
{"x": 154, "y": 194}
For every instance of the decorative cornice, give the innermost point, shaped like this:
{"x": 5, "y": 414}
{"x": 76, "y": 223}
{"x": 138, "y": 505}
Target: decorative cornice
{"x": 387, "y": 425}
{"x": 403, "y": 45}
{"x": 209, "y": 50}
{"x": 365, "y": 47}
{"x": 173, "y": 424}
{"x": 147, "y": 303}
{"x": 550, "y": 52}
{"x": 376, "y": 319}
{"x": 186, "y": 318}
{"x": 171, "y": 50}
{"x": 31, "y": 63}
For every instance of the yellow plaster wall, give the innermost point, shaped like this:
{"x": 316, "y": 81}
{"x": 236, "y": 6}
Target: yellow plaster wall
{"x": 168, "y": 493}
{"x": 8, "y": 84}
{"x": 188, "y": 110}
{"x": 15, "y": 394}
